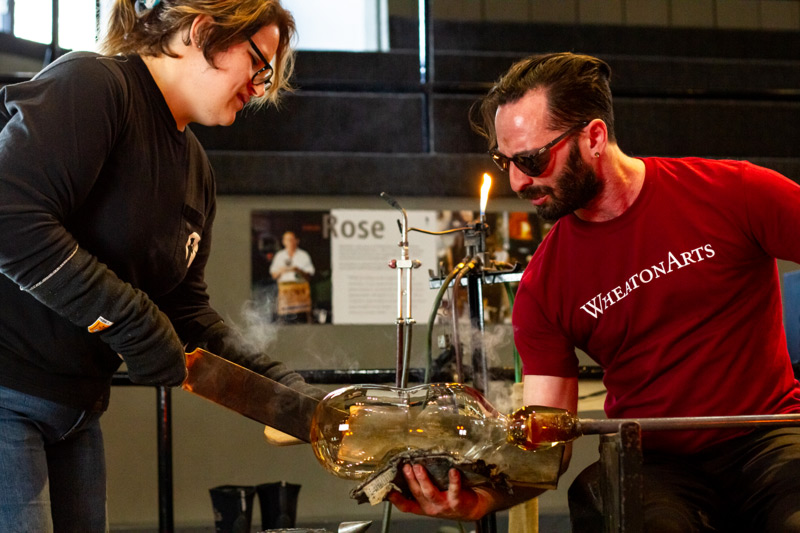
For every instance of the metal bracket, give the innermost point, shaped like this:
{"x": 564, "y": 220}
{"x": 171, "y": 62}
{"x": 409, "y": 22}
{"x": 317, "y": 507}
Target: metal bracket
{"x": 621, "y": 479}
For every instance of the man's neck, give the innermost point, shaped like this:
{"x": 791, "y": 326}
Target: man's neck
{"x": 622, "y": 177}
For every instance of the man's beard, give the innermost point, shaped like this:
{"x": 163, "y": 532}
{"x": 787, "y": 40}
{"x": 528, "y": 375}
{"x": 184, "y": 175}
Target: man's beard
{"x": 577, "y": 185}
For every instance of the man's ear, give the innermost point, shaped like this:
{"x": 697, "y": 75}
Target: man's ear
{"x": 598, "y": 136}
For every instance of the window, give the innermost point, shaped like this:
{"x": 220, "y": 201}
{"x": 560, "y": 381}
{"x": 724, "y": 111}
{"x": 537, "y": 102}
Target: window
{"x": 5, "y": 17}
{"x": 321, "y": 23}
{"x": 32, "y": 20}
{"x": 350, "y": 25}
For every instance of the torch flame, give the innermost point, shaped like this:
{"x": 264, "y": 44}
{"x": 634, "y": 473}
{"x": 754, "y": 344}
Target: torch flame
{"x": 487, "y": 183}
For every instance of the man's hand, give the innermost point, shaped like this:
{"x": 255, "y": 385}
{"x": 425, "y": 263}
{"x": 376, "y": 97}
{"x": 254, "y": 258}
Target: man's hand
{"x": 279, "y": 438}
{"x": 455, "y": 503}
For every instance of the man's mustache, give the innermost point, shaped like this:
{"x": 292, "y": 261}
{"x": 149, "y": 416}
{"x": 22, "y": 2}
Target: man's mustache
{"x": 532, "y": 192}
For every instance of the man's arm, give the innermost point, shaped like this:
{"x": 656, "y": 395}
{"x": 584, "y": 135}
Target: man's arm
{"x": 304, "y": 264}
{"x": 469, "y": 504}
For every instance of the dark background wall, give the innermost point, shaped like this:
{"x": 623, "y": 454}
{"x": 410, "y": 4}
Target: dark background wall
{"x": 714, "y": 78}
{"x": 357, "y": 122}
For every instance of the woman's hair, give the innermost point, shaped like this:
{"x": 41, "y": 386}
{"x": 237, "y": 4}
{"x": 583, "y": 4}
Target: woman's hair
{"x": 577, "y": 89}
{"x": 133, "y": 29}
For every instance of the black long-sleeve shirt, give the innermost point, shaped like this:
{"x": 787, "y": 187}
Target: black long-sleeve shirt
{"x": 90, "y": 156}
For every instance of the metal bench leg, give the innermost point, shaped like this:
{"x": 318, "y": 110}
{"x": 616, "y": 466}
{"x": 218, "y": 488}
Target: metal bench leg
{"x": 165, "y": 509}
{"x": 621, "y": 479}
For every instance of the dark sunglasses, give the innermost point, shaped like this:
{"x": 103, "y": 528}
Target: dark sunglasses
{"x": 532, "y": 162}
{"x": 264, "y": 75}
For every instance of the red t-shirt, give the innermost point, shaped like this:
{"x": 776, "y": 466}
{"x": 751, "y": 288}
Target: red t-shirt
{"x": 678, "y": 299}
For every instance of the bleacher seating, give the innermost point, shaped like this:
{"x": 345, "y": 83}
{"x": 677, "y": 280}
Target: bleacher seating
{"x": 356, "y": 123}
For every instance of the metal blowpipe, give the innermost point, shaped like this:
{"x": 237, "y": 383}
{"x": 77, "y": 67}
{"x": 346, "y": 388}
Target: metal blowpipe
{"x": 535, "y": 427}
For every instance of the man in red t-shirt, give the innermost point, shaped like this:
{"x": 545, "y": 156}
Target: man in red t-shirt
{"x": 664, "y": 272}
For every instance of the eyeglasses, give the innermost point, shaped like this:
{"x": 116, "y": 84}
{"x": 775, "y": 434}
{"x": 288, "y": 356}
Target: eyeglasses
{"x": 264, "y": 75}
{"x": 532, "y": 162}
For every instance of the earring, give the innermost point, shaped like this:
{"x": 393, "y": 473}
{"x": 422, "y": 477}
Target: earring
{"x": 597, "y": 154}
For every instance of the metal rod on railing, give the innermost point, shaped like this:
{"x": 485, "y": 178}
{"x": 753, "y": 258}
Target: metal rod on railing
{"x": 612, "y": 425}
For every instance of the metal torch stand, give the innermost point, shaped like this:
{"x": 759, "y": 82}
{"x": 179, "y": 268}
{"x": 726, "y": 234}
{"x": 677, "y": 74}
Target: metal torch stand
{"x": 480, "y": 368}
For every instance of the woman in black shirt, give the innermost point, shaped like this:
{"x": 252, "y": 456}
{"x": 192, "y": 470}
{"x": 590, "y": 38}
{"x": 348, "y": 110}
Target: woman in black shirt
{"x": 107, "y": 201}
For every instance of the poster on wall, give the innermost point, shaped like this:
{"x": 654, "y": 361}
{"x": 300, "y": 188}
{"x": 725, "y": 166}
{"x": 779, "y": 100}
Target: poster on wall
{"x": 291, "y": 266}
{"x": 332, "y": 267}
{"x": 365, "y": 288}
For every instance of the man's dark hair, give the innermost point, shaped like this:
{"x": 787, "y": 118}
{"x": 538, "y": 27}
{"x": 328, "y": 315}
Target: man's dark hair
{"x": 577, "y": 88}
